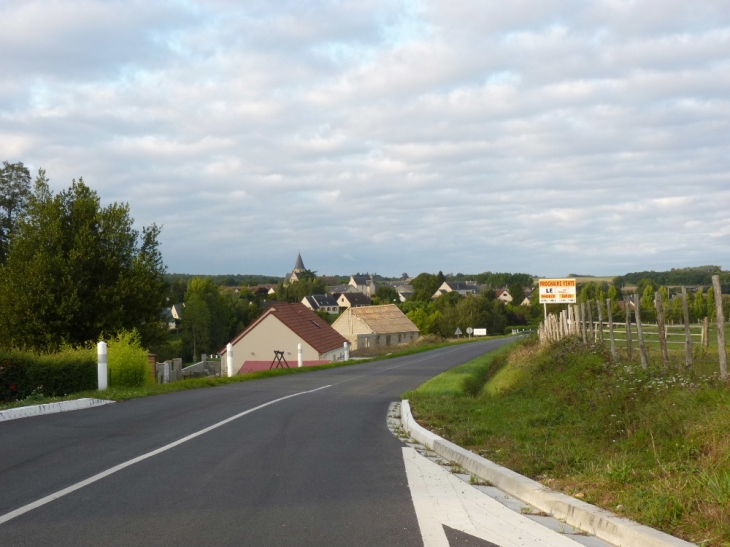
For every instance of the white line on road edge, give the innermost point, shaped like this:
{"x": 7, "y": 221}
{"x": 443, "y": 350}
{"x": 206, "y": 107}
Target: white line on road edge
{"x": 440, "y": 498}
{"x": 22, "y": 510}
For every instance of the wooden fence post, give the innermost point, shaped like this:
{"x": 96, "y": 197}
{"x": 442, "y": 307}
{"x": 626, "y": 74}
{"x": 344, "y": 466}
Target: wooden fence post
{"x": 661, "y": 327}
{"x": 574, "y": 327}
{"x": 584, "y": 325}
{"x": 629, "y": 342}
{"x": 640, "y": 333}
{"x": 687, "y": 333}
{"x": 590, "y": 321}
{"x": 609, "y": 309}
{"x": 706, "y": 332}
{"x": 599, "y": 305}
{"x": 721, "y": 348}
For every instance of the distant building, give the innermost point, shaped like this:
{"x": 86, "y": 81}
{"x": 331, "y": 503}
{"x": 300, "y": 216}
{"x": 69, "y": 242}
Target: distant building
{"x": 281, "y": 328}
{"x": 364, "y": 283}
{"x": 298, "y": 269}
{"x": 322, "y": 302}
{"x": 464, "y": 288}
{"x": 503, "y": 295}
{"x": 375, "y": 326}
{"x": 404, "y": 292}
{"x": 353, "y": 300}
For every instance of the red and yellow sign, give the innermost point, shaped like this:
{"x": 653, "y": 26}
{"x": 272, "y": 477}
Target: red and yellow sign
{"x": 557, "y": 291}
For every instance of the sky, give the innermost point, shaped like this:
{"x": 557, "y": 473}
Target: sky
{"x": 389, "y": 136}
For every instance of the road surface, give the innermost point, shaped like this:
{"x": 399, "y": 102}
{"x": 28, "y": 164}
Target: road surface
{"x": 302, "y": 460}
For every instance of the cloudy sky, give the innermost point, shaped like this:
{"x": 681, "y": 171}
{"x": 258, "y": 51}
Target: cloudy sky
{"x": 389, "y": 136}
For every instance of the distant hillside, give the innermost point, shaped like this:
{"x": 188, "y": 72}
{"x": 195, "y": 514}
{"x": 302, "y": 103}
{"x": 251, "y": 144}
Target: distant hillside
{"x": 230, "y": 280}
{"x": 700, "y": 275}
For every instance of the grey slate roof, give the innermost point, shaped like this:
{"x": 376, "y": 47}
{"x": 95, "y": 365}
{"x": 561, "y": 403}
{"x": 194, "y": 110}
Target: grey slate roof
{"x": 300, "y": 264}
{"x": 317, "y": 301}
{"x": 357, "y": 299}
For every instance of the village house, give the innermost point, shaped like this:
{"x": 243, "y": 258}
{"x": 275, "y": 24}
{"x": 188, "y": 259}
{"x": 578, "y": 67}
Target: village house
{"x": 404, "y": 292}
{"x": 364, "y": 283}
{"x": 375, "y": 326}
{"x": 503, "y": 295}
{"x": 281, "y": 328}
{"x": 464, "y": 288}
{"x": 353, "y": 300}
{"x": 322, "y": 302}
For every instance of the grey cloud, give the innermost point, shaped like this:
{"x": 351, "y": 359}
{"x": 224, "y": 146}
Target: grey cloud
{"x": 536, "y": 136}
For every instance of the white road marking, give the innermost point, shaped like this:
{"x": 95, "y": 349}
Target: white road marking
{"x": 38, "y": 503}
{"x": 439, "y": 499}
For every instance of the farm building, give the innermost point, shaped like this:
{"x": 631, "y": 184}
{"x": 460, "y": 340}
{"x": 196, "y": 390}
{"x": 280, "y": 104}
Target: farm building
{"x": 375, "y": 326}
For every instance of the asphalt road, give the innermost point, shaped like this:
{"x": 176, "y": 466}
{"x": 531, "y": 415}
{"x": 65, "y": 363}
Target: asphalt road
{"x": 319, "y": 468}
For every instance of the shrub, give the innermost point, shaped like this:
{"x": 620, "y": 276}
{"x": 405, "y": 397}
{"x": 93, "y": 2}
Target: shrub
{"x": 128, "y": 365}
{"x": 53, "y": 375}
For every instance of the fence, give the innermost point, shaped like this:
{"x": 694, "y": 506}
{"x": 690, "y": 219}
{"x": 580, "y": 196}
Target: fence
{"x": 169, "y": 371}
{"x": 578, "y": 320}
{"x": 203, "y": 368}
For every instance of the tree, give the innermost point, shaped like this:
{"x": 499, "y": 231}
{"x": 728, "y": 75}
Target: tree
{"x": 220, "y": 323}
{"x": 699, "y": 306}
{"x": 387, "y": 294}
{"x": 77, "y": 271}
{"x": 647, "y": 298}
{"x": 196, "y": 323}
{"x": 424, "y": 285}
{"x": 404, "y": 276}
{"x": 14, "y": 194}
{"x": 517, "y": 292}
{"x": 711, "y": 306}
{"x": 614, "y": 293}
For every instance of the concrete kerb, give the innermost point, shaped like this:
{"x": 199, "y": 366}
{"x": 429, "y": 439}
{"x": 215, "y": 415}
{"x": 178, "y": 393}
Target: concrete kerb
{"x": 50, "y": 408}
{"x": 603, "y": 524}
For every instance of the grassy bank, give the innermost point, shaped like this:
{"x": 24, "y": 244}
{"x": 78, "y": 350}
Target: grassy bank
{"x": 653, "y": 446}
{"x": 126, "y": 393}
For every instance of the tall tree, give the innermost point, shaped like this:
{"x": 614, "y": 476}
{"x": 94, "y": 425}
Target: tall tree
{"x": 699, "y": 306}
{"x": 76, "y": 271}
{"x": 196, "y": 324}
{"x": 14, "y": 194}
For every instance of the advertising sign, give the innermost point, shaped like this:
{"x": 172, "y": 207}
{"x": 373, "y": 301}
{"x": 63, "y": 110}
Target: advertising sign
{"x": 480, "y": 332}
{"x": 557, "y": 291}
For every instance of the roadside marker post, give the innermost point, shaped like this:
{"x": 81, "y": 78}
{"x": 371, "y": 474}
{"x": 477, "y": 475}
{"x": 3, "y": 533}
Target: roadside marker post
{"x": 102, "y": 367}
{"x": 229, "y": 360}
{"x": 300, "y": 360}
{"x": 347, "y": 351}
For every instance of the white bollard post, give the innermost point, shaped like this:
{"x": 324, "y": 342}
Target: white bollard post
{"x": 229, "y": 360}
{"x": 347, "y": 351}
{"x": 102, "y": 368}
{"x": 300, "y": 360}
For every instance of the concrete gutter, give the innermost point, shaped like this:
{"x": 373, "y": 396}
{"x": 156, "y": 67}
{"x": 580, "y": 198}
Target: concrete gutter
{"x": 49, "y": 408}
{"x": 603, "y": 524}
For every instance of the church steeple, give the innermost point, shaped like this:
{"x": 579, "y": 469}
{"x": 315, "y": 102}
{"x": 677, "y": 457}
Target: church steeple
{"x": 299, "y": 266}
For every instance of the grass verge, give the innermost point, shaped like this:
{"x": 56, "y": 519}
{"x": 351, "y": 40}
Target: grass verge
{"x": 127, "y": 393}
{"x": 651, "y": 445}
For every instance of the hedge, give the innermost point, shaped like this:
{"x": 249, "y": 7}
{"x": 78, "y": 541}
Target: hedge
{"x": 52, "y": 375}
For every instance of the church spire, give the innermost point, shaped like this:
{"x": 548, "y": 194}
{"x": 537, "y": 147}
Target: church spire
{"x": 299, "y": 266}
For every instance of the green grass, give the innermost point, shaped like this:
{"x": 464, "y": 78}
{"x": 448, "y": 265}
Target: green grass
{"x": 655, "y": 443}
{"x": 127, "y": 393}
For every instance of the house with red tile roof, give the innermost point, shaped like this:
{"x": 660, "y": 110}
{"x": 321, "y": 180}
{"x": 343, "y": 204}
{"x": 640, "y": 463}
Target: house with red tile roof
{"x": 282, "y": 327}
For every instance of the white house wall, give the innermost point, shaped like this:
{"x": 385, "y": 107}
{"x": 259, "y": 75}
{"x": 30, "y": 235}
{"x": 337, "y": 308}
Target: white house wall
{"x": 269, "y": 335}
